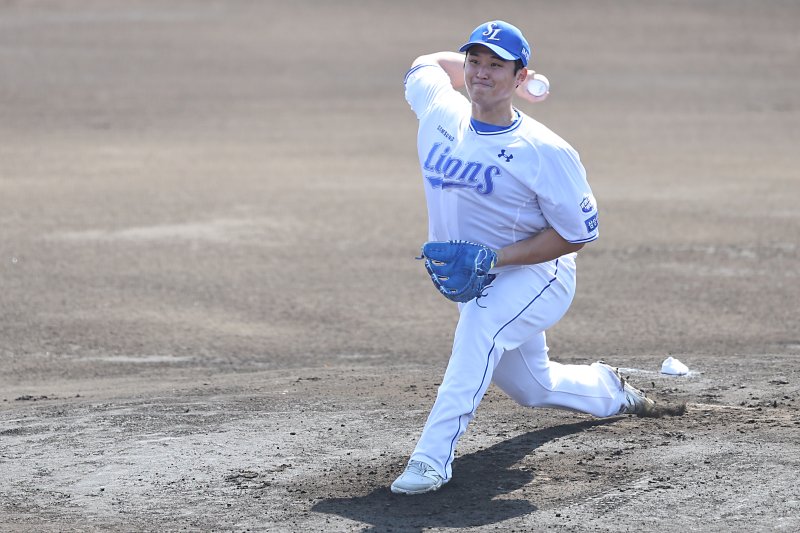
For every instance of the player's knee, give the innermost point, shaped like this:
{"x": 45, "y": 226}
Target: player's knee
{"x": 540, "y": 397}
{"x": 523, "y": 397}
{"x": 535, "y": 401}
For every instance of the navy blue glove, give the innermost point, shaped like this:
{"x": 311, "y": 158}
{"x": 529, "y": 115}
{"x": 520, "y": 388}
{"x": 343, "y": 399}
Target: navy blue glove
{"x": 459, "y": 269}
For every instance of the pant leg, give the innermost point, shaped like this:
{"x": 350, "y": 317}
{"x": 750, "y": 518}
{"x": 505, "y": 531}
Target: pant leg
{"x": 519, "y": 305}
{"x": 530, "y": 378}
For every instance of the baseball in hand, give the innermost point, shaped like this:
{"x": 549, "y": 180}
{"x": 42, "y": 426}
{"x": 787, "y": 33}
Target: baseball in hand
{"x": 538, "y": 85}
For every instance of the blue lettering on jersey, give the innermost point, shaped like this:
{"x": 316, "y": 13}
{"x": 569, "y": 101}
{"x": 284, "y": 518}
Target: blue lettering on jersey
{"x": 591, "y": 223}
{"x": 453, "y": 172}
{"x": 444, "y": 132}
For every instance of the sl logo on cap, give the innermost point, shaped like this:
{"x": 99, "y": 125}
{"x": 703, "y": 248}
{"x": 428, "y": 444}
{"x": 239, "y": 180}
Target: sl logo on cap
{"x": 491, "y": 32}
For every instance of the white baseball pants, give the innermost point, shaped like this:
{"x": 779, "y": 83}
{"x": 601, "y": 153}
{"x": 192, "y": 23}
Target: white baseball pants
{"x": 501, "y": 337}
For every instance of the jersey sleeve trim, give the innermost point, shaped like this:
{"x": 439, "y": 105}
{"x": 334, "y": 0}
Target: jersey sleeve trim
{"x": 581, "y": 241}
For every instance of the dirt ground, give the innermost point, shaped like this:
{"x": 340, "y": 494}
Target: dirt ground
{"x": 211, "y": 316}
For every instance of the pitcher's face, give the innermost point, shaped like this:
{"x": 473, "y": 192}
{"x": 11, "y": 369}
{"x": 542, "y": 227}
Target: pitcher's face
{"x": 489, "y": 79}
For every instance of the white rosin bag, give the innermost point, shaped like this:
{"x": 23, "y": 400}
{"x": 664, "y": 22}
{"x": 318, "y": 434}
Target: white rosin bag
{"x": 674, "y": 367}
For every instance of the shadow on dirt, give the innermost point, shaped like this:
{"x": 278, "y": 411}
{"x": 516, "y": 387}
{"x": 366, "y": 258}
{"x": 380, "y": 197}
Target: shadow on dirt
{"x": 468, "y": 500}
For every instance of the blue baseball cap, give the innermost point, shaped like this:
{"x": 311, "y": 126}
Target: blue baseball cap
{"x": 503, "y": 39}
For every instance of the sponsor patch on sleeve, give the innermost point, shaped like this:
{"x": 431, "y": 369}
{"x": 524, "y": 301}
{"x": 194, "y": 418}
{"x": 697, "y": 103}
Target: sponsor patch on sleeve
{"x": 591, "y": 223}
{"x": 587, "y": 204}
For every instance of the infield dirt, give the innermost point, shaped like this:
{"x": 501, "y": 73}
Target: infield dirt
{"x": 212, "y": 319}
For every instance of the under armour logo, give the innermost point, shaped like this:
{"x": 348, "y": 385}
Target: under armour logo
{"x": 508, "y": 157}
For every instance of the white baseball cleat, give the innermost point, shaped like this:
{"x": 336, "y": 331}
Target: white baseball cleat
{"x": 418, "y": 478}
{"x": 636, "y": 403}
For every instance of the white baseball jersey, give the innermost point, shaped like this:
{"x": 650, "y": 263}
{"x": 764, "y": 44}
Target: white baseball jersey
{"x": 492, "y": 185}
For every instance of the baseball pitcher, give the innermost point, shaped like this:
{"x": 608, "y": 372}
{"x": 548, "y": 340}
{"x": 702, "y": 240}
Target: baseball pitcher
{"x": 508, "y": 208}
